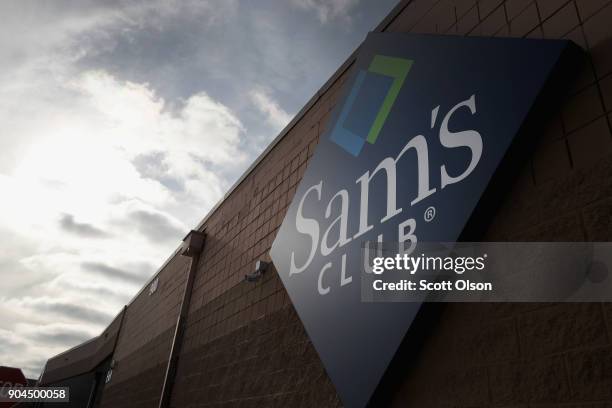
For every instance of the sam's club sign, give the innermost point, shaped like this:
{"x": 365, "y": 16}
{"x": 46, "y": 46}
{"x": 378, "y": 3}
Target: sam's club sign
{"x": 423, "y": 125}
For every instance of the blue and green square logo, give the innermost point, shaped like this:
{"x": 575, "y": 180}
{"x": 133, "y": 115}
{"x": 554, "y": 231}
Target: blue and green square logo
{"x": 369, "y": 102}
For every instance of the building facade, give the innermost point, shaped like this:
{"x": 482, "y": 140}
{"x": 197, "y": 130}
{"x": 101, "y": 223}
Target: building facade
{"x": 198, "y": 334}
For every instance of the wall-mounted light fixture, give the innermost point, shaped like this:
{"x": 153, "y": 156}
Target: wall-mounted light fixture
{"x": 260, "y": 268}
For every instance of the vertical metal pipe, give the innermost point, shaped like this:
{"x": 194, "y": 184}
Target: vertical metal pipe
{"x": 92, "y": 391}
{"x": 177, "y": 341}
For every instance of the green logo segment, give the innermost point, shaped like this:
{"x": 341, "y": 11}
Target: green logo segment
{"x": 397, "y": 68}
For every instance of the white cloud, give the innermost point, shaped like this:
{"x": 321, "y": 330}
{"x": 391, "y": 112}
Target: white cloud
{"x": 328, "y": 10}
{"x": 79, "y": 196}
{"x": 276, "y": 116}
{"x": 100, "y": 177}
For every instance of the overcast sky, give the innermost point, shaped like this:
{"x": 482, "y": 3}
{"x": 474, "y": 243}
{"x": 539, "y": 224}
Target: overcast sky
{"x": 121, "y": 125}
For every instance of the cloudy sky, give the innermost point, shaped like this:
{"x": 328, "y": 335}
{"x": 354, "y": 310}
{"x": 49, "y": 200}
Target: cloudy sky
{"x": 121, "y": 124}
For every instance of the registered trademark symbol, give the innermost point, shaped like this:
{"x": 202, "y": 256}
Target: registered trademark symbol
{"x": 430, "y": 214}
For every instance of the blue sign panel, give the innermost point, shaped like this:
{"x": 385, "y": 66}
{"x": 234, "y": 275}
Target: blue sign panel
{"x": 423, "y": 125}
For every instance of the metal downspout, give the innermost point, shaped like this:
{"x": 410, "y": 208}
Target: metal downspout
{"x": 193, "y": 245}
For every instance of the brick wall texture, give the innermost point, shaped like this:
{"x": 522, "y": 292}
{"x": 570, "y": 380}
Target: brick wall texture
{"x": 244, "y": 345}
